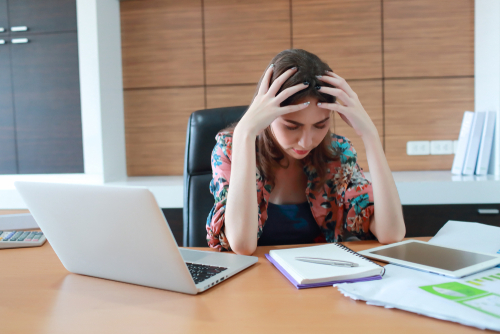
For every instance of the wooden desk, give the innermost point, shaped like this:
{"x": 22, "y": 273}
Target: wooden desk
{"x": 40, "y": 296}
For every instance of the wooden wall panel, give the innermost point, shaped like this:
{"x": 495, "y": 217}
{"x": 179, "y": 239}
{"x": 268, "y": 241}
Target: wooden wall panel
{"x": 370, "y": 95}
{"x": 344, "y": 33}
{"x": 155, "y": 128}
{"x": 241, "y": 38}
{"x": 162, "y": 43}
{"x": 428, "y": 38}
{"x": 424, "y": 109}
{"x": 229, "y": 96}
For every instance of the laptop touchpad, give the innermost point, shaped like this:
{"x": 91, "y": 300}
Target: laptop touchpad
{"x": 193, "y": 256}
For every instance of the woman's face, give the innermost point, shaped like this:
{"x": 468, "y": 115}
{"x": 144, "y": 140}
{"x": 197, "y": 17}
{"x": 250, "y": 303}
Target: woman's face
{"x": 299, "y": 132}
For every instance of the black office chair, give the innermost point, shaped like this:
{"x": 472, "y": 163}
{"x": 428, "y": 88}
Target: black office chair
{"x": 202, "y": 128}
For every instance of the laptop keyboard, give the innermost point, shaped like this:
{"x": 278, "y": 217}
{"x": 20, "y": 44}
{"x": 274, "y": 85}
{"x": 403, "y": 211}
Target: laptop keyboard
{"x": 201, "y": 272}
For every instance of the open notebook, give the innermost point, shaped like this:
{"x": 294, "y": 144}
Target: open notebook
{"x": 310, "y": 275}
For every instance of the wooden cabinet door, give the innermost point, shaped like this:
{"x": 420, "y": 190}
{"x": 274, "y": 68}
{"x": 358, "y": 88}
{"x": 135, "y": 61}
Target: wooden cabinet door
{"x": 43, "y": 15}
{"x": 47, "y": 104}
{"x": 7, "y": 132}
{"x": 4, "y": 20}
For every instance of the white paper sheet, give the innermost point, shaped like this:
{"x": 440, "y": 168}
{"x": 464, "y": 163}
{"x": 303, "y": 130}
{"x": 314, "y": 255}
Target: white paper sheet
{"x": 469, "y": 236}
{"x": 402, "y": 288}
{"x": 472, "y": 301}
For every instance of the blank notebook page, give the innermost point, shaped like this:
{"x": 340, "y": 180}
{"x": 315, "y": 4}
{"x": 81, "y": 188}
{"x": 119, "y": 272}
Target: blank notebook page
{"x": 305, "y": 272}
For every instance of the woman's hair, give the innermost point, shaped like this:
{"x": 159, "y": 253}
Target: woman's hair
{"x": 269, "y": 153}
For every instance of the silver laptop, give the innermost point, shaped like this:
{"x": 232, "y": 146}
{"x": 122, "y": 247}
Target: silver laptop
{"x": 121, "y": 234}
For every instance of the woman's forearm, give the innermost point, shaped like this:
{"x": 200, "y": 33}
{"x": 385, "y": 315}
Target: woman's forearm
{"x": 241, "y": 218}
{"x": 387, "y": 223}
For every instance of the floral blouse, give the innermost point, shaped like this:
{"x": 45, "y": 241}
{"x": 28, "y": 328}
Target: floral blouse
{"x": 342, "y": 207}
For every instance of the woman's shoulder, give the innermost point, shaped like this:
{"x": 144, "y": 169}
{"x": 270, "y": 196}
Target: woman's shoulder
{"x": 343, "y": 148}
{"x": 224, "y": 142}
{"x": 223, "y": 135}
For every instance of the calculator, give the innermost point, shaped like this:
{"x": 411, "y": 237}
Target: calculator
{"x": 15, "y": 239}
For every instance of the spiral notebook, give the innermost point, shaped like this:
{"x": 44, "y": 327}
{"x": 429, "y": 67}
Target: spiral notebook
{"x": 310, "y": 275}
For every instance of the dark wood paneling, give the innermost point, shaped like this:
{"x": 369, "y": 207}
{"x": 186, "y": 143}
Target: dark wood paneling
{"x": 47, "y": 102}
{"x": 344, "y": 33}
{"x": 370, "y": 95}
{"x": 230, "y": 96}
{"x": 155, "y": 128}
{"x": 8, "y": 164}
{"x": 161, "y": 43}
{"x": 241, "y": 38}
{"x": 4, "y": 20}
{"x": 426, "y": 220}
{"x": 43, "y": 16}
{"x": 424, "y": 109}
{"x": 428, "y": 38}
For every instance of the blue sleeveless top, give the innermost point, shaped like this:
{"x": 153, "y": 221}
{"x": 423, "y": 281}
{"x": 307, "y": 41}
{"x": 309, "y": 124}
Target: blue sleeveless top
{"x": 289, "y": 224}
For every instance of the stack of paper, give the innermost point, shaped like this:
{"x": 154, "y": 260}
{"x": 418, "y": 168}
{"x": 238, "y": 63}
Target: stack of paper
{"x": 473, "y": 300}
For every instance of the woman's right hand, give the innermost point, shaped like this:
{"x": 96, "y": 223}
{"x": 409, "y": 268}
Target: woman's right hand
{"x": 265, "y": 108}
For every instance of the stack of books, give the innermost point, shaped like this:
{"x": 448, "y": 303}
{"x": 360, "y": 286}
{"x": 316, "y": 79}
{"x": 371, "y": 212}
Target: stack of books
{"x": 478, "y": 149}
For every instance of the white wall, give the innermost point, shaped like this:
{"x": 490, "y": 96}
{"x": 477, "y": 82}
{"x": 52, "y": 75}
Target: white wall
{"x": 101, "y": 87}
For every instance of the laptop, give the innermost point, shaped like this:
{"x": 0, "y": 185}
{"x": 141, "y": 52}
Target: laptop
{"x": 120, "y": 233}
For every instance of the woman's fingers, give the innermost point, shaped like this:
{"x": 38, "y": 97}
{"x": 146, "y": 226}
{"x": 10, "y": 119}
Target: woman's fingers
{"x": 290, "y": 91}
{"x": 340, "y": 109}
{"x": 338, "y": 93}
{"x": 275, "y": 87}
{"x": 333, "y": 106}
{"x": 337, "y": 81}
{"x": 264, "y": 85}
{"x": 292, "y": 108}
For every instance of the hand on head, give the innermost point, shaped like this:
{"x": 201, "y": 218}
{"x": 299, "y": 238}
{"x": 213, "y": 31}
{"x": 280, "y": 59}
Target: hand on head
{"x": 347, "y": 104}
{"x": 265, "y": 107}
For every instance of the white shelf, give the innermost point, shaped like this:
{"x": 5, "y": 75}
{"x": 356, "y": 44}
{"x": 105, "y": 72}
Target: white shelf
{"x": 441, "y": 187}
{"x": 168, "y": 190}
{"x": 415, "y": 188}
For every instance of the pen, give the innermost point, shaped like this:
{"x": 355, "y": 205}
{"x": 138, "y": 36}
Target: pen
{"x": 330, "y": 262}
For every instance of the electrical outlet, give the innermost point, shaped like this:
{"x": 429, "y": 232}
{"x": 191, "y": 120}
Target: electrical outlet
{"x": 418, "y": 147}
{"x": 455, "y": 145}
{"x": 441, "y": 147}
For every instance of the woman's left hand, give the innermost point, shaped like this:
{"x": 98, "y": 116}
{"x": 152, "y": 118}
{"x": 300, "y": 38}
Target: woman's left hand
{"x": 347, "y": 105}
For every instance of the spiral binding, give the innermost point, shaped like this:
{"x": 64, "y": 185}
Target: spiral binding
{"x": 359, "y": 255}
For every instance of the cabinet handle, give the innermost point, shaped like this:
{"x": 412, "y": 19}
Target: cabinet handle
{"x": 19, "y": 40}
{"x": 2, "y": 41}
{"x": 2, "y": 29}
{"x": 19, "y": 28}
{"x": 488, "y": 211}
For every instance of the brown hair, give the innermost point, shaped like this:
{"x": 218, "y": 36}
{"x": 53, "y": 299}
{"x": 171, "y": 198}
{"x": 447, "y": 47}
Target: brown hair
{"x": 269, "y": 153}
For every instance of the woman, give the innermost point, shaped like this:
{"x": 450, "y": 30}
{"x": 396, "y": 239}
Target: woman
{"x": 309, "y": 186}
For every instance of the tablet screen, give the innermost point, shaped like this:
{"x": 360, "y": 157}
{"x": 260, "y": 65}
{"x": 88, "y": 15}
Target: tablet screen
{"x": 433, "y": 256}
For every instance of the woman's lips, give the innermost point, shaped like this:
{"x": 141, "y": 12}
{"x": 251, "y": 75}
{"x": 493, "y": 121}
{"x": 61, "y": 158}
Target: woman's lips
{"x": 299, "y": 152}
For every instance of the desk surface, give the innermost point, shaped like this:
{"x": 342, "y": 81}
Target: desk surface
{"x": 40, "y": 296}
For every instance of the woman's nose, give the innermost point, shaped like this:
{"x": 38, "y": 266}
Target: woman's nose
{"x": 306, "y": 139}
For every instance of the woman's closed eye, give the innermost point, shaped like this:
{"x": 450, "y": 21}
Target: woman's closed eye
{"x": 317, "y": 126}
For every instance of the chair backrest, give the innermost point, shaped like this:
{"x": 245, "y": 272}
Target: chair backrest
{"x": 202, "y": 128}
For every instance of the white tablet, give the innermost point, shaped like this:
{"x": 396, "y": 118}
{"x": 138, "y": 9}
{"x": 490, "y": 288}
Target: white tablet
{"x": 441, "y": 260}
